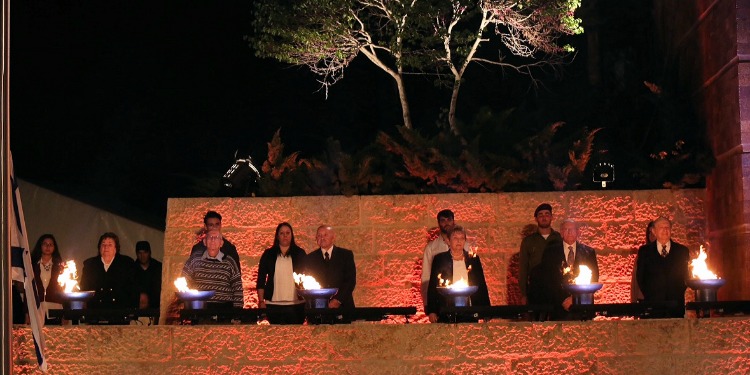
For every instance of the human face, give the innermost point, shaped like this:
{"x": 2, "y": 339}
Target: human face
{"x": 544, "y": 219}
{"x": 285, "y": 236}
{"x": 662, "y": 230}
{"x": 446, "y": 224}
{"x": 143, "y": 256}
{"x": 107, "y": 249}
{"x": 213, "y": 223}
{"x": 456, "y": 243}
{"x": 569, "y": 232}
{"x": 214, "y": 242}
{"x": 48, "y": 247}
{"x": 324, "y": 237}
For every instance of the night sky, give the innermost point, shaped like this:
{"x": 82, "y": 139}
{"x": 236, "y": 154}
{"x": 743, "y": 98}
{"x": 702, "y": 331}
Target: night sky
{"x": 126, "y": 103}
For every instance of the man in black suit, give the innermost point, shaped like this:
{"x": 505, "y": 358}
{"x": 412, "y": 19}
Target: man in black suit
{"x": 548, "y": 278}
{"x": 663, "y": 268}
{"x": 332, "y": 267}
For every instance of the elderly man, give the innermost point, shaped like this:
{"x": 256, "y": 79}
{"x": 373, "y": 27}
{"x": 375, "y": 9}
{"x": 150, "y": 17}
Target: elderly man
{"x": 662, "y": 268}
{"x": 445, "y": 221}
{"x": 333, "y": 267}
{"x": 213, "y": 270}
{"x": 212, "y": 220}
{"x": 548, "y": 278}
{"x": 533, "y": 245}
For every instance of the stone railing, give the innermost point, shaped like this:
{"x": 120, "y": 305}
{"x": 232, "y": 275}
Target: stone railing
{"x": 669, "y": 346}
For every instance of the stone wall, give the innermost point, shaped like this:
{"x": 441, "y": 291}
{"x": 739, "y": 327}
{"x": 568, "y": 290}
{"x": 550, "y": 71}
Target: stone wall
{"x": 670, "y": 346}
{"x": 706, "y": 46}
{"x": 388, "y": 234}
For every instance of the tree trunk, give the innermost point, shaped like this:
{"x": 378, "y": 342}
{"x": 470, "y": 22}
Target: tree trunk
{"x": 452, "y": 109}
{"x": 404, "y": 101}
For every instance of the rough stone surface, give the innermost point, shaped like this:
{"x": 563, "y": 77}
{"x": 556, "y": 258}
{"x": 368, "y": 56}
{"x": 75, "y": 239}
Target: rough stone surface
{"x": 388, "y": 234}
{"x": 667, "y": 346}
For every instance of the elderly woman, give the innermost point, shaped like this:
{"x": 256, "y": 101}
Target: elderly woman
{"x": 111, "y": 275}
{"x": 275, "y": 284}
{"x": 454, "y": 265}
{"x": 48, "y": 265}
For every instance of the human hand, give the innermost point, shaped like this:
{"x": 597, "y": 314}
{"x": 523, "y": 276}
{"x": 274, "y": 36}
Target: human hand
{"x": 524, "y": 300}
{"x": 433, "y": 318}
{"x": 334, "y": 304}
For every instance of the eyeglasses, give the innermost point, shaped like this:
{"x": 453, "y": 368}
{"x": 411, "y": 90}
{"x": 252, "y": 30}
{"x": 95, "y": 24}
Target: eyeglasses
{"x": 213, "y": 238}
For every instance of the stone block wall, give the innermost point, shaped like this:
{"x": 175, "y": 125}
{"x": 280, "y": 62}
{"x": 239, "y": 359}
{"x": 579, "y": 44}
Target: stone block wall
{"x": 669, "y": 346}
{"x": 388, "y": 234}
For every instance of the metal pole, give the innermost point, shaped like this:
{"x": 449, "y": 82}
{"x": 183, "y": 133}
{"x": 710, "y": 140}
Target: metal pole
{"x": 6, "y": 314}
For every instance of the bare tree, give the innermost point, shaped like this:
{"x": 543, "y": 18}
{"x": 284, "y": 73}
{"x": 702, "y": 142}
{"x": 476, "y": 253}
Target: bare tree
{"x": 412, "y": 36}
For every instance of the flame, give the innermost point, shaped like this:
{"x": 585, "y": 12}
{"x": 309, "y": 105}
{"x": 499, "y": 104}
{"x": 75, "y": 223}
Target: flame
{"x": 67, "y": 278}
{"x": 460, "y": 284}
{"x": 181, "y": 284}
{"x": 473, "y": 251}
{"x": 700, "y": 269}
{"x": 584, "y": 276}
{"x": 305, "y": 281}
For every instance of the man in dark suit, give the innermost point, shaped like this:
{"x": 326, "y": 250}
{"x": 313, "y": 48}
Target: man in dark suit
{"x": 332, "y": 267}
{"x": 662, "y": 268}
{"x": 548, "y": 278}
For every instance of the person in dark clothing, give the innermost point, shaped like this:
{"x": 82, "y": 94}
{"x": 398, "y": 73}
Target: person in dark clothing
{"x": 147, "y": 276}
{"x": 548, "y": 279}
{"x": 451, "y": 266}
{"x": 333, "y": 267}
{"x": 275, "y": 284}
{"x": 111, "y": 275}
{"x": 48, "y": 265}
{"x": 663, "y": 268}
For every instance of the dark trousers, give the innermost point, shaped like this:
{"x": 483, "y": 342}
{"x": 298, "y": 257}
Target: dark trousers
{"x": 285, "y": 314}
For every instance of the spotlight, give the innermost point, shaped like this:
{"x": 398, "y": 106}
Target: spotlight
{"x": 240, "y": 174}
{"x": 604, "y": 172}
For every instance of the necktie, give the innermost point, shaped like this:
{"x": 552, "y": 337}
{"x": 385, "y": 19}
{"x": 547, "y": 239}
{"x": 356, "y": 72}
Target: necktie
{"x": 571, "y": 256}
{"x": 664, "y": 250}
{"x": 326, "y": 256}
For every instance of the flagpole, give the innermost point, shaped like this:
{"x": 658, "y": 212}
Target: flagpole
{"x": 6, "y": 315}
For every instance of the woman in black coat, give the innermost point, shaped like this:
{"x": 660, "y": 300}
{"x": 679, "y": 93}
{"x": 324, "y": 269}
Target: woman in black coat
{"x": 275, "y": 284}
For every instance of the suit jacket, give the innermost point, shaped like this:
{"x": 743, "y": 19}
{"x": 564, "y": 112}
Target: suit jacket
{"x": 443, "y": 264}
{"x": 663, "y": 278}
{"x": 54, "y": 290}
{"x": 338, "y": 272}
{"x": 116, "y": 287}
{"x": 547, "y": 279}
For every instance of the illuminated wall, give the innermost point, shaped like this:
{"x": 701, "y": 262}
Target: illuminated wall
{"x": 388, "y": 234}
{"x": 668, "y": 346}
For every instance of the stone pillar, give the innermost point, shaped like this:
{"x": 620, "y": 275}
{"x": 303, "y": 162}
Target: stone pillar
{"x": 707, "y": 45}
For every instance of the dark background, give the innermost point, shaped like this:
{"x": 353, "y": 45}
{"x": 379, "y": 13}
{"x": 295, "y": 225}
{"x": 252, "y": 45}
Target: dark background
{"x": 126, "y": 103}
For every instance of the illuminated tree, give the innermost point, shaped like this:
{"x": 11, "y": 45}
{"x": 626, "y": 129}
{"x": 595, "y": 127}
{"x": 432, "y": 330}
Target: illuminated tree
{"x": 441, "y": 37}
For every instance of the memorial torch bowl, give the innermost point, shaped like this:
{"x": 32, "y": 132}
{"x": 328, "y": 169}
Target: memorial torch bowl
{"x": 195, "y": 299}
{"x": 317, "y": 298}
{"x": 77, "y": 300}
{"x": 583, "y": 294}
{"x": 458, "y": 296}
{"x": 705, "y": 289}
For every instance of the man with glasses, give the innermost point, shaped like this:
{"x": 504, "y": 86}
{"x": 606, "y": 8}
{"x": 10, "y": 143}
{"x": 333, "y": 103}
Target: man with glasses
{"x": 214, "y": 270}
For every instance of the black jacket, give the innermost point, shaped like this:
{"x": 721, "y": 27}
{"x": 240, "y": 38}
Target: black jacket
{"x": 442, "y": 265}
{"x": 267, "y": 267}
{"x": 339, "y": 272}
{"x": 115, "y": 288}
